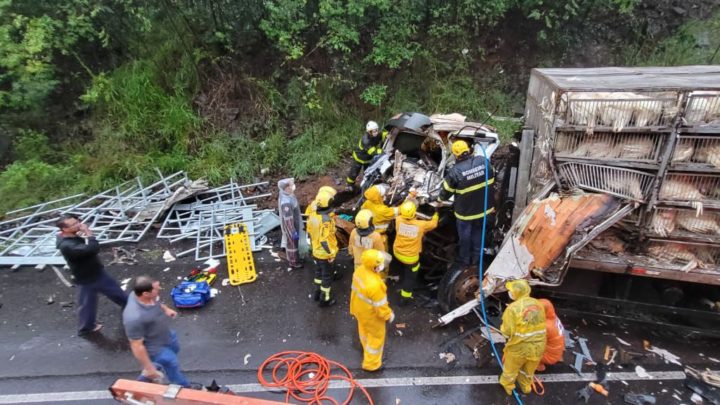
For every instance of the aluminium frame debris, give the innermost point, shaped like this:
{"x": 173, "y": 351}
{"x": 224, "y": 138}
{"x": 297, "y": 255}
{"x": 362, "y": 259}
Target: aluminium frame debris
{"x": 123, "y": 213}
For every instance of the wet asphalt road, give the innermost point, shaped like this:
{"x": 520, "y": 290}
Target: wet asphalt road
{"x": 230, "y": 338}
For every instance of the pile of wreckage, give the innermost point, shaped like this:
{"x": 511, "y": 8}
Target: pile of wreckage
{"x": 126, "y": 212}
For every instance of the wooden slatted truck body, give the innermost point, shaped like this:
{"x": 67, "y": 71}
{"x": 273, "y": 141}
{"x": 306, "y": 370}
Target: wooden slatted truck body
{"x": 619, "y": 172}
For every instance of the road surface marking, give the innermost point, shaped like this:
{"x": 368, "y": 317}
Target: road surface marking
{"x": 368, "y": 383}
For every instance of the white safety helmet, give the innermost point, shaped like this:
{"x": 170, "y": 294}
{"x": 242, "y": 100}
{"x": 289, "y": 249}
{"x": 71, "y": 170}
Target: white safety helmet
{"x": 371, "y": 126}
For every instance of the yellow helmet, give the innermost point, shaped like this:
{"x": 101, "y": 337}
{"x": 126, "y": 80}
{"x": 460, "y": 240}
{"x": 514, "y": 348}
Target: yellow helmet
{"x": 408, "y": 209}
{"x": 518, "y": 289}
{"x": 459, "y": 147}
{"x": 372, "y": 258}
{"x": 363, "y": 219}
{"x": 323, "y": 200}
{"x": 327, "y": 189}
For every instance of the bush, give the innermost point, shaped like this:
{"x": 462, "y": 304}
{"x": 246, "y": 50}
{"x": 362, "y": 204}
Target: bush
{"x": 31, "y": 145}
{"x": 31, "y": 182}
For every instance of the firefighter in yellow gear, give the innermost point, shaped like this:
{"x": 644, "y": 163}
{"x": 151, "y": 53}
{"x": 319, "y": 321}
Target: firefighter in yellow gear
{"x": 382, "y": 214}
{"x": 364, "y": 237}
{"x": 321, "y": 228}
{"x": 409, "y": 233}
{"x": 523, "y": 325}
{"x": 312, "y": 207}
{"x": 369, "y": 305}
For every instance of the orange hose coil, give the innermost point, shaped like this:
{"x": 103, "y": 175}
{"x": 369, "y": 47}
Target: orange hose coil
{"x": 306, "y": 376}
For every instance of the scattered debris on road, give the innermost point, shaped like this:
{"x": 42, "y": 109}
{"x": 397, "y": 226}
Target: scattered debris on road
{"x": 639, "y": 399}
{"x": 448, "y": 357}
{"x": 640, "y": 371}
{"x": 622, "y": 341}
{"x": 664, "y": 354}
{"x": 122, "y": 256}
{"x": 168, "y": 257}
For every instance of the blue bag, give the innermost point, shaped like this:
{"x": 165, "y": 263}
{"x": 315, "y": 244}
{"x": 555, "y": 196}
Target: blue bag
{"x": 191, "y": 294}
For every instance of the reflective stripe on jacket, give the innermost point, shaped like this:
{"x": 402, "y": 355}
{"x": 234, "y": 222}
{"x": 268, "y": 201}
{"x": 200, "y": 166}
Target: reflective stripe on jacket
{"x": 523, "y": 322}
{"x": 368, "y": 146}
{"x": 321, "y": 228}
{"x": 382, "y": 214}
{"x": 358, "y": 244}
{"x": 409, "y": 236}
{"x": 368, "y": 299}
{"x": 466, "y": 180}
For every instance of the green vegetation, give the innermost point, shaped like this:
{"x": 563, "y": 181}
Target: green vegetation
{"x": 93, "y": 92}
{"x": 695, "y": 43}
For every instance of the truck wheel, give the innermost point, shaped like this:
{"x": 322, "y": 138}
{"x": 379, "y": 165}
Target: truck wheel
{"x": 457, "y": 287}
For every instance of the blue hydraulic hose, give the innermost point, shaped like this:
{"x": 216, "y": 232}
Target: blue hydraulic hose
{"x": 482, "y": 251}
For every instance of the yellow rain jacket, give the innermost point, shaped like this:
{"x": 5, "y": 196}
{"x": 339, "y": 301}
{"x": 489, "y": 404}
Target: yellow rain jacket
{"x": 382, "y": 214}
{"x": 358, "y": 244}
{"x": 311, "y": 208}
{"x": 409, "y": 236}
{"x": 321, "y": 229}
{"x": 523, "y": 324}
{"x": 369, "y": 305}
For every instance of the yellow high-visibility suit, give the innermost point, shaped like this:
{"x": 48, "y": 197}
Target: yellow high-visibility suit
{"x": 523, "y": 324}
{"x": 369, "y": 305}
{"x": 409, "y": 235}
{"x": 358, "y": 244}
{"x": 321, "y": 228}
{"x": 382, "y": 214}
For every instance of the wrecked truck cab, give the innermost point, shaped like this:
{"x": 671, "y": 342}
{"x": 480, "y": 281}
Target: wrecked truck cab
{"x": 415, "y": 157}
{"x": 417, "y": 152}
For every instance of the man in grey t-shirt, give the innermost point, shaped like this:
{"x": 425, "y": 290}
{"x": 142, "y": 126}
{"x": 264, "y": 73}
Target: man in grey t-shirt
{"x": 147, "y": 326}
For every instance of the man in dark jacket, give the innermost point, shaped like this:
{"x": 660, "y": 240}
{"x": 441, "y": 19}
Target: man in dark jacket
{"x": 369, "y": 146}
{"x": 466, "y": 180}
{"x": 80, "y": 250}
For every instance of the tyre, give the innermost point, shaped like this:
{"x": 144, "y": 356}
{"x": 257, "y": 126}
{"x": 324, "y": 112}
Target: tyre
{"x": 458, "y": 286}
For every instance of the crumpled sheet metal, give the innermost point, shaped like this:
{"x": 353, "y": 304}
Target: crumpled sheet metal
{"x": 537, "y": 242}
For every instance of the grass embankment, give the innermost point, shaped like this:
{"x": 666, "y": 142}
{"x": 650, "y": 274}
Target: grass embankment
{"x": 145, "y": 115}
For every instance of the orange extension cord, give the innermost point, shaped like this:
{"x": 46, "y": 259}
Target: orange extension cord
{"x": 306, "y": 377}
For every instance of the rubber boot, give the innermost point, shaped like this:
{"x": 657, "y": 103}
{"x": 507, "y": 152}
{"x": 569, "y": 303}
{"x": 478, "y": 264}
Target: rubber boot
{"x": 316, "y": 294}
{"x": 326, "y": 300}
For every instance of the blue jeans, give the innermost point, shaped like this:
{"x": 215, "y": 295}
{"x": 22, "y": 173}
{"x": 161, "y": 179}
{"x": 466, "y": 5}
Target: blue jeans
{"x": 470, "y": 237}
{"x": 167, "y": 358}
{"x": 468, "y": 231}
{"x": 88, "y": 299}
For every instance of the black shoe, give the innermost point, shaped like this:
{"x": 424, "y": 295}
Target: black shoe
{"x": 405, "y": 301}
{"x": 328, "y": 303}
{"x": 87, "y": 332}
{"x": 316, "y": 295}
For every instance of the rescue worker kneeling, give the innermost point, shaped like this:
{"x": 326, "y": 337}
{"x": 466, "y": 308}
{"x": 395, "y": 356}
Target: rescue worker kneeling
{"x": 409, "y": 233}
{"x": 555, "y": 342}
{"x": 364, "y": 237}
{"x": 321, "y": 228}
{"x": 523, "y": 324}
{"x": 369, "y": 305}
